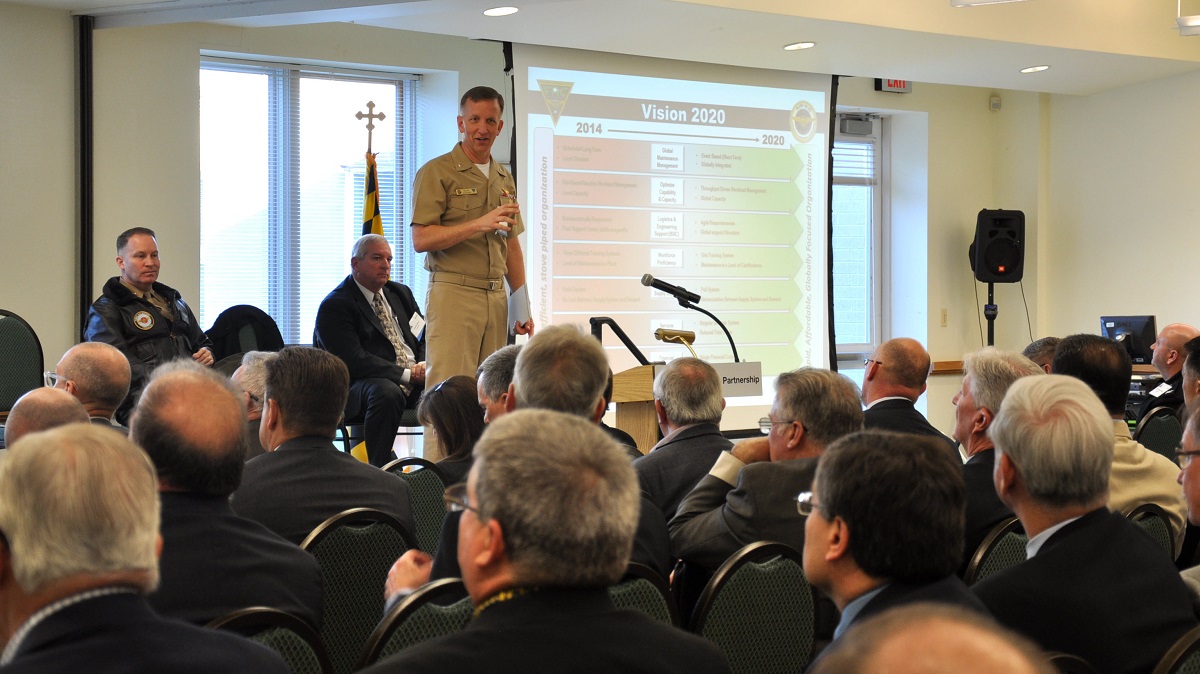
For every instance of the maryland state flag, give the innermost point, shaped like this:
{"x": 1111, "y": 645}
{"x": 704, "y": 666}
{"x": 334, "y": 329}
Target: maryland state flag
{"x": 372, "y": 223}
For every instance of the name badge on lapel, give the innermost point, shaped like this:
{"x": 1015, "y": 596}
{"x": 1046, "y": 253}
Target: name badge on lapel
{"x": 465, "y": 190}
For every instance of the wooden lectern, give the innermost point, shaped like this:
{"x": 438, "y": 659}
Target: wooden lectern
{"x": 633, "y": 392}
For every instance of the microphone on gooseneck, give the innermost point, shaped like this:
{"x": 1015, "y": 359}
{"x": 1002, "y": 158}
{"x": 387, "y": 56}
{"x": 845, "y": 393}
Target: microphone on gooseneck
{"x": 681, "y": 294}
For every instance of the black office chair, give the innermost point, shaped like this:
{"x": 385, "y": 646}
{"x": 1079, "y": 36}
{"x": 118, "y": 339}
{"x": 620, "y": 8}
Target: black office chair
{"x": 1004, "y": 546}
{"x": 356, "y": 549}
{"x": 293, "y": 639}
{"x": 352, "y": 429}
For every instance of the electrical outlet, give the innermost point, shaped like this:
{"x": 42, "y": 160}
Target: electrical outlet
{"x": 944, "y": 321}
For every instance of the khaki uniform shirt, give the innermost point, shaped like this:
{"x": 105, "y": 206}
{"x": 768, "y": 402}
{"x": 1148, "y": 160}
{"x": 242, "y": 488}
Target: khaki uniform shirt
{"x": 450, "y": 190}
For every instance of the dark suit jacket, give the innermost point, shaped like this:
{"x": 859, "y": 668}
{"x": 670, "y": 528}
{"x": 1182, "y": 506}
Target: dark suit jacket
{"x": 560, "y": 630}
{"x": 1099, "y": 588}
{"x": 984, "y": 508}
{"x": 214, "y": 562}
{"x": 715, "y": 520}
{"x": 651, "y": 546}
{"x": 902, "y": 416}
{"x": 307, "y": 480}
{"x": 348, "y": 328}
{"x": 120, "y": 634}
{"x": 669, "y": 472}
{"x": 1172, "y": 399}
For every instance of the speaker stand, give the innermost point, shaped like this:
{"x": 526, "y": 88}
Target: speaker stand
{"x": 989, "y": 312}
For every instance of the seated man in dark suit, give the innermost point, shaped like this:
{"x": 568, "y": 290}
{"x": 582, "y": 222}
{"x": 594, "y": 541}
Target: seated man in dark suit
{"x": 251, "y": 378}
{"x": 79, "y": 512}
{"x": 548, "y": 518}
{"x": 688, "y": 401}
{"x": 749, "y": 494}
{"x": 42, "y": 409}
{"x": 884, "y": 525}
{"x": 987, "y": 374}
{"x": 894, "y": 377}
{"x": 98, "y": 375}
{"x": 190, "y": 422}
{"x": 1167, "y": 357}
{"x": 303, "y": 479}
{"x": 1094, "y": 584}
{"x": 373, "y": 324}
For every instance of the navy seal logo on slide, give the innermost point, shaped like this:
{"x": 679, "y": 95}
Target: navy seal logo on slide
{"x": 143, "y": 320}
{"x": 803, "y": 121}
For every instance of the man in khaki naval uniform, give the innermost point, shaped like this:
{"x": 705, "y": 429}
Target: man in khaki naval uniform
{"x": 470, "y": 241}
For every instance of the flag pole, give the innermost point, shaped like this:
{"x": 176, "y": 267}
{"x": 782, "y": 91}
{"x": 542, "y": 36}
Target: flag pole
{"x": 372, "y": 223}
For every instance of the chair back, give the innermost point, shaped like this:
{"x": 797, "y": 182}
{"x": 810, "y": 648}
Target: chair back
{"x": 426, "y": 485}
{"x": 1066, "y": 663}
{"x": 1004, "y": 546}
{"x": 356, "y": 549}
{"x": 242, "y": 328}
{"x": 1152, "y": 518}
{"x": 1160, "y": 431}
{"x": 759, "y": 610}
{"x": 21, "y": 360}
{"x": 643, "y": 589}
{"x": 292, "y": 638}
{"x": 1183, "y": 657}
{"x": 436, "y": 608}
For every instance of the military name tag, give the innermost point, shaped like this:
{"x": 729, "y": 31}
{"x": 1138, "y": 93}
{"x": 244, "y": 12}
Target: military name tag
{"x": 465, "y": 190}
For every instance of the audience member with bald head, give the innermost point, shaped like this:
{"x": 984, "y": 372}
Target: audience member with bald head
{"x": 251, "y": 378}
{"x": 1138, "y": 475}
{"x": 895, "y": 376}
{"x": 190, "y": 422}
{"x": 303, "y": 479}
{"x": 1167, "y": 357}
{"x": 98, "y": 375}
{"x": 80, "y": 516}
{"x": 932, "y": 639}
{"x": 42, "y": 409}
{"x": 1093, "y": 584}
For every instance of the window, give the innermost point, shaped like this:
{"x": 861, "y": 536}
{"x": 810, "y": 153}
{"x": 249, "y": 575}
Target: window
{"x": 857, "y": 227}
{"x": 282, "y": 167}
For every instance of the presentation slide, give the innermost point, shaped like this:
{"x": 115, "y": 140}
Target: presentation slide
{"x": 719, "y": 187}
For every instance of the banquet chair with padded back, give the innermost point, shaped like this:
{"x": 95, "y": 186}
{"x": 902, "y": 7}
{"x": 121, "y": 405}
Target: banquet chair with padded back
{"x": 1160, "y": 431}
{"x": 356, "y": 549}
{"x": 21, "y": 360}
{"x": 1151, "y": 518}
{"x": 643, "y": 589}
{"x": 426, "y": 487}
{"x": 759, "y": 609}
{"x": 1183, "y": 657}
{"x": 293, "y": 639}
{"x": 1066, "y": 663}
{"x": 436, "y": 608}
{"x": 1004, "y": 546}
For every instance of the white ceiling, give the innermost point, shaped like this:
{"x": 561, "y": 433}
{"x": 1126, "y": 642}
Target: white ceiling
{"x": 1091, "y": 45}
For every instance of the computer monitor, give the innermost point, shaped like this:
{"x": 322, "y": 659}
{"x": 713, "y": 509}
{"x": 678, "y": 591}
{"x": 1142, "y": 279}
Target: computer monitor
{"x": 1136, "y": 333}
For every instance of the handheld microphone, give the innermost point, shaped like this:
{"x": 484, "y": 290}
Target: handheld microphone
{"x": 681, "y": 294}
{"x": 667, "y": 334}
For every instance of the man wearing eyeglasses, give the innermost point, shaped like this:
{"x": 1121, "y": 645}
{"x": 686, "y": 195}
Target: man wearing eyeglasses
{"x": 749, "y": 493}
{"x": 1093, "y": 584}
{"x": 98, "y": 375}
{"x": 549, "y": 512}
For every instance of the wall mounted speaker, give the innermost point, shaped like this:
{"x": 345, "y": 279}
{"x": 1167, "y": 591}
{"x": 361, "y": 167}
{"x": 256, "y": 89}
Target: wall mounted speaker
{"x": 998, "y": 253}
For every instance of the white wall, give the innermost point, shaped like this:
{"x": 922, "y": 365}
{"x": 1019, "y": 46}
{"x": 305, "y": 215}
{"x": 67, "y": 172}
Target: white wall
{"x": 38, "y": 250}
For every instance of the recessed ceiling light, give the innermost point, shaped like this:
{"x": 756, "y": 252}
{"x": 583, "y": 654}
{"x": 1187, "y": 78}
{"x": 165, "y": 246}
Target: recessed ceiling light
{"x": 797, "y": 46}
{"x": 1034, "y": 69}
{"x": 500, "y": 11}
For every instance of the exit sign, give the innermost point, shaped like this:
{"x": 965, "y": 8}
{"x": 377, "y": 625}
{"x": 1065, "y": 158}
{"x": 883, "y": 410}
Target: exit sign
{"x": 896, "y": 86}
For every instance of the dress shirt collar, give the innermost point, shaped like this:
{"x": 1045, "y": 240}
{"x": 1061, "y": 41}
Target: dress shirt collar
{"x": 879, "y": 400}
{"x": 670, "y": 437}
{"x": 1035, "y": 544}
{"x": 854, "y": 608}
